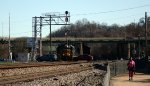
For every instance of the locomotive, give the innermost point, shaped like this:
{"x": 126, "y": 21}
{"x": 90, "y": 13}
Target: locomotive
{"x": 65, "y": 52}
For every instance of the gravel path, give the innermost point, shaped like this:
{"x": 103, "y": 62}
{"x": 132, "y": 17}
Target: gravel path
{"x": 140, "y": 79}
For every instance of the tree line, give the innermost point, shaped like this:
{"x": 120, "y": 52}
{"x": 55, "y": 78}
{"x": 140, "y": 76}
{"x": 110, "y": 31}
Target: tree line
{"x": 85, "y": 28}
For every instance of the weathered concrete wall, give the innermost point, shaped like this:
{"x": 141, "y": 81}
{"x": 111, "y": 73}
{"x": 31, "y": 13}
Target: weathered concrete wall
{"x": 106, "y": 79}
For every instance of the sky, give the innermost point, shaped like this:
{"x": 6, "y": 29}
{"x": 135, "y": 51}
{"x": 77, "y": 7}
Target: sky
{"x": 120, "y": 12}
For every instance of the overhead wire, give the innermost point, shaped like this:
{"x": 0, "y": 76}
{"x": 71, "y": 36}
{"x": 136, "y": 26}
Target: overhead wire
{"x": 111, "y": 11}
{"x": 123, "y": 17}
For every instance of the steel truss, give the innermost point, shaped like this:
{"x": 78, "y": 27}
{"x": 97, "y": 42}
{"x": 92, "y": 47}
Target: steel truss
{"x": 54, "y": 18}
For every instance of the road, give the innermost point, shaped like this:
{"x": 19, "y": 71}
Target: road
{"x": 139, "y": 79}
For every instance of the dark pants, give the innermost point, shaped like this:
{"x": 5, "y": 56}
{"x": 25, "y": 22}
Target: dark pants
{"x": 131, "y": 72}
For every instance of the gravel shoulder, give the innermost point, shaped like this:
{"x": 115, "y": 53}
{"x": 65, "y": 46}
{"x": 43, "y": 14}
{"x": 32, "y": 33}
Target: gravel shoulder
{"x": 84, "y": 78}
{"x": 92, "y": 77}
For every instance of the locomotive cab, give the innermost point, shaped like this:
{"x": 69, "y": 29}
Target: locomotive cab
{"x": 65, "y": 52}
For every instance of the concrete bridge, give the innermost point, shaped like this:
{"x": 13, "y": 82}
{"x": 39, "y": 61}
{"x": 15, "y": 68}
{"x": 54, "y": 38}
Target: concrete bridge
{"x": 122, "y": 42}
{"x": 90, "y": 40}
{"x": 97, "y": 40}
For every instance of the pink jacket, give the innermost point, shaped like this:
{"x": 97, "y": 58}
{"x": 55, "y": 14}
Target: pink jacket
{"x": 131, "y": 64}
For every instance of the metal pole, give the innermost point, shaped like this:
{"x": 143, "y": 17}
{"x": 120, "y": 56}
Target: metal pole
{"x": 35, "y": 38}
{"x": 125, "y": 32}
{"x": 2, "y": 30}
{"x": 139, "y": 51}
{"x": 66, "y": 37}
{"x": 40, "y": 36}
{"x": 128, "y": 50}
{"x": 50, "y": 35}
{"x": 9, "y": 41}
{"x": 134, "y": 51}
{"x": 145, "y": 34}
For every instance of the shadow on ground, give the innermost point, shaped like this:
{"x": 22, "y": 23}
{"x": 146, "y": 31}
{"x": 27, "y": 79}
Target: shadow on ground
{"x": 142, "y": 66}
{"x": 100, "y": 66}
{"x": 143, "y": 81}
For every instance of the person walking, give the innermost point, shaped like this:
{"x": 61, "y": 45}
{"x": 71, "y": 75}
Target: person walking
{"x": 131, "y": 68}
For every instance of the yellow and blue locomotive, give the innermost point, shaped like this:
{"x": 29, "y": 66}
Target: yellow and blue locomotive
{"x": 65, "y": 52}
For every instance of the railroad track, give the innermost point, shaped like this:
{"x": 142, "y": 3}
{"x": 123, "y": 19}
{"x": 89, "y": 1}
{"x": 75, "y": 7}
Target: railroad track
{"x": 31, "y": 76}
{"x": 37, "y": 64}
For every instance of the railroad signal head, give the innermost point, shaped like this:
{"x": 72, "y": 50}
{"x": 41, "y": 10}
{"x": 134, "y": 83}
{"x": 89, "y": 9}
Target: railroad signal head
{"x": 66, "y": 19}
{"x": 66, "y": 12}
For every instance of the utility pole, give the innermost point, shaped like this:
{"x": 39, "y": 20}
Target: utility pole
{"x": 35, "y": 38}
{"x": 10, "y": 54}
{"x": 2, "y": 30}
{"x": 139, "y": 47}
{"x": 145, "y": 34}
{"x": 128, "y": 50}
{"x": 50, "y": 34}
{"x": 41, "y": 36}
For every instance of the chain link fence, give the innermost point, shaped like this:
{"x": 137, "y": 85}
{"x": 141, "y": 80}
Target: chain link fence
{"x": 118, "y": 67}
